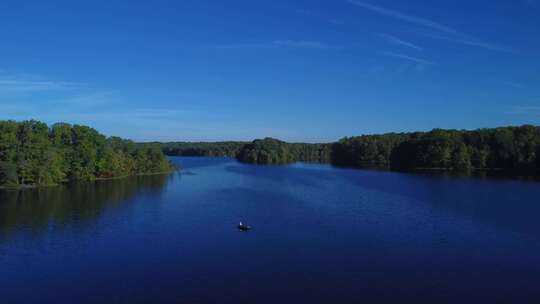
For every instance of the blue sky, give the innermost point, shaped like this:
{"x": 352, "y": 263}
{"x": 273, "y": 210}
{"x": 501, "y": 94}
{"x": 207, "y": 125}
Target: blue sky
{"x": 307, "y": 70}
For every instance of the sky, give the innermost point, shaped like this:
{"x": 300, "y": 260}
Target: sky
{"x": 301, "y": 71}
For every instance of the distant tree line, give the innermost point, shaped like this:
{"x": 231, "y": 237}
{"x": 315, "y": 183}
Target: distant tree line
{"x": 260, "y": 151}
{"x": 225, "y": 148}
{"x": 273, "y": 151}
{"x": 499, "y": 148}
{"x": 513, "y": 148}
{"x": 34, "y": 154}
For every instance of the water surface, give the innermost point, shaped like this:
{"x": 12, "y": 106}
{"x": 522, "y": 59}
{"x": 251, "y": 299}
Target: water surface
{"x": 321, "y": 235}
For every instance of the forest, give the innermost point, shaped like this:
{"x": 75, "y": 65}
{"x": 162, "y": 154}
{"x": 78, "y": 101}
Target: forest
{"x": 511, "y": 148}
{"x": 34, "y": 154}
{"x": 225, "y": 148}
{"x": 273, "y": 151}
{"x": 260, "y": 151}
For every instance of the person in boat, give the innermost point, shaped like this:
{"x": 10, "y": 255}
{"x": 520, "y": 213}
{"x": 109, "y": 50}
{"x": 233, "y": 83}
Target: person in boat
{"x": 242, "y": 226}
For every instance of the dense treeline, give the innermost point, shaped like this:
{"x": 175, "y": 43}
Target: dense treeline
{"x": 499, "y": 148}
{"x": 366, "y": 150}
{"x": 34, "y": 154}
{"x": 273, "y": 151}
{"x": 514, "y": 148}
{"x": 225, "y": 148}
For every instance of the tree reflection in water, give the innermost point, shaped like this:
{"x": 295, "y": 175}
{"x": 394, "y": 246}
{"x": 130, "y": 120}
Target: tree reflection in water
{"x": 37, "y": 209}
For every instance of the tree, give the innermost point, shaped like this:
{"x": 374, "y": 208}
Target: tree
{"x": 461, "y": 159}
{"x": 31, "y": 153}
{"x": 8, "y": 140}
{"x": 8, "y": 174}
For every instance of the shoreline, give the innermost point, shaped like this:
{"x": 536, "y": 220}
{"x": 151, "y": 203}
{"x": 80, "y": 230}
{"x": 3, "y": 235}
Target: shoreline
{"x": 473, "y": 172}
{"x": 33, "y": 187}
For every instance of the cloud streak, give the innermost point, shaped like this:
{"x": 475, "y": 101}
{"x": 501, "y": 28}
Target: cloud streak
{"x": 514, "y": 84}
{"x": 397, "y": 41}
{"x": 450, "y": 34}
{"x": 282, "y": 44}
{"x": 301, "y": 44}
{"x": 474, "y": 42}
{"x": 405, "y": 17}
{"x": 410, "y": 58}
{"x": 20, "y": 85}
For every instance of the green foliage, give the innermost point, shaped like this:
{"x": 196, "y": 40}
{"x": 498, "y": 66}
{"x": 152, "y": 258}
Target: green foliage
{"x": 500, "y": 148}
{"x": 320, "y": 153}
{"x": 265, "y": 151}
{"x": 31, "y": 153}
{"x": 272, "y": 151}
{"x": 226, "y": 148}
{"x": 367, "y": 150}
{"x": 150, "y": 159}
{"x": 516, "y": 148}
{"x": 8, "y": 174}
{"x": 461, "y": 158}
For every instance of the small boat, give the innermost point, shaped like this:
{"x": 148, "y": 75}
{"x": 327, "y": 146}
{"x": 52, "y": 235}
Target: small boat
{"x": 243, "y": 227}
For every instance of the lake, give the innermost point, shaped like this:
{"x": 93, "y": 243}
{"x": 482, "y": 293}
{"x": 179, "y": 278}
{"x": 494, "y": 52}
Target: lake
{"x": 320, "y": 235}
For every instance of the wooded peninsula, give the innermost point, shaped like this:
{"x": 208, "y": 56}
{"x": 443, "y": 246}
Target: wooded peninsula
{"x": 34, "y": 154}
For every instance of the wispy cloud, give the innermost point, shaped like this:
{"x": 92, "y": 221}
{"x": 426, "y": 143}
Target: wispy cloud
{"x": 277, "y": 44}
{"x": 471, "y": 41}
{"x": 450, "y": 34}
{"x": 302, "y": 44}
{"x": 336, "y": 21}
{"x": 19, "y": 84}
{"x": 410, "y": 58}
{"x": 514, "y": 84}
{"x": 405, "y": 17}
{"x": 397, "y": 41}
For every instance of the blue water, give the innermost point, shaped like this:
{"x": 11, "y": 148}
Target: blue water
{"x": 320, "y": 235}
